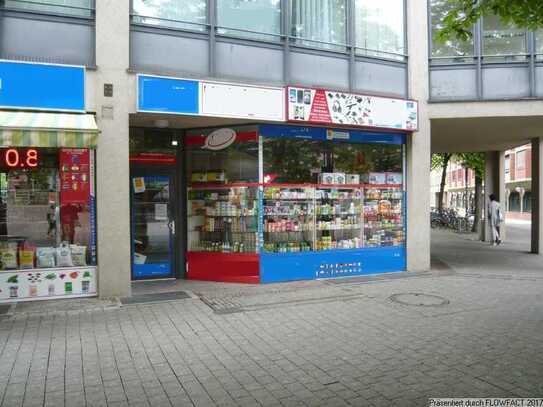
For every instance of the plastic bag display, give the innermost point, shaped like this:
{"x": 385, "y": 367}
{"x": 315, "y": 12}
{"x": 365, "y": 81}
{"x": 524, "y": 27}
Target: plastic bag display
{"x": 45, "y": 257}
{"x": 64, "y": 256}
{"x": 8, "y": 255}
{"x": 79, "y": 255}
{"x": 26, "y": 257}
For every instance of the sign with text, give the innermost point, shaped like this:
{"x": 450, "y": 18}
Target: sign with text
{"x": 168, "y": 95}
{"x": 327, "y": 107}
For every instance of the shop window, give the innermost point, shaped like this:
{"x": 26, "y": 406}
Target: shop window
{"x": 182, "y": 14}
{"x": 256, "y": 19}
{"x": 75, "y": 8}
{"x": 319, "y": 23}
{"x": 46, "y": 212}
{"x": 153, "y": 146}
{"x": 502, "y": 42}
{"x": 380, "y": 28}
{"x": 452, "y": 50}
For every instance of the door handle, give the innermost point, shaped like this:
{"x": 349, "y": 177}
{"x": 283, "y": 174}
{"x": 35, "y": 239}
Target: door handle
{"x": 171, "y": 226}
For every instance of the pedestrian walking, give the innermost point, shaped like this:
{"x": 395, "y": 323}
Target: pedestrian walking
{"x": 495, "y": 218}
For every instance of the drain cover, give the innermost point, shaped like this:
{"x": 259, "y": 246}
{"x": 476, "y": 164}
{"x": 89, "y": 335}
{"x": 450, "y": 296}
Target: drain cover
{"x": 419, "y": 299}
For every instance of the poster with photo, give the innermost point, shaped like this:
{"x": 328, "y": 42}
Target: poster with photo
{"x": 333, "y": 107}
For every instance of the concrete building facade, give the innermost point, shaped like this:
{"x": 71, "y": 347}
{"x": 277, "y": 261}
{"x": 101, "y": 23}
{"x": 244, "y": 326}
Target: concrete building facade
{"x": 471, "y": 97}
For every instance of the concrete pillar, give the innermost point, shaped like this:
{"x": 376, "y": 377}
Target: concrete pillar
{"x": 537, "y": 203}
{"x": 113, "y": 210}
{"x": 418, "y": 145}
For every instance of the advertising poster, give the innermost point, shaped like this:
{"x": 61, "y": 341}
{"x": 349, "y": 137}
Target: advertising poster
{"x": 332, "y": 107}
{"x": 75, "y": 183}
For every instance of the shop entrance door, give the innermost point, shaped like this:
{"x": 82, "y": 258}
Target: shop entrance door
{"x": 153, "y": 225}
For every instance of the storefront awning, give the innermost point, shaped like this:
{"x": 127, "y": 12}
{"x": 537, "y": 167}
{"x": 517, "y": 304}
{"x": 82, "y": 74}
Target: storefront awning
{"x": 37, "y": 129}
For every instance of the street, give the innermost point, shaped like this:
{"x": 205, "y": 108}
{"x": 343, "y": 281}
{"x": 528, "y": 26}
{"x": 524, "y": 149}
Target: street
{"x": 471, "y": 327}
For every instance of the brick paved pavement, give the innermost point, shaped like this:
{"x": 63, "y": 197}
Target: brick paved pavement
{"x": 340, "y": 343}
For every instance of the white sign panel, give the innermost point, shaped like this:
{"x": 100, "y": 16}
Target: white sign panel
{"x": 332, "y": 107}
{"x": 239, "y": 101}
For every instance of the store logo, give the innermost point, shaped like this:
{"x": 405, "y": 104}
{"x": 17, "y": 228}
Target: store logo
{"x": 337, "y": 135}
{"x": 219, "y": 139}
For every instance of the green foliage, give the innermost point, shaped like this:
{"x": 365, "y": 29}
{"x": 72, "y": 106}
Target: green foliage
{"x": 463, "y": 14}
{"x": 474, "y": 161}
{"x": 440, "y": 160}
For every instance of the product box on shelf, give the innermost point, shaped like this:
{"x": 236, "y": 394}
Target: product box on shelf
{"x": 377, "y": 178}
{"x": 327, "y": 178}
{"x": 394, "y": 178}
{"x": 352, "y": 179}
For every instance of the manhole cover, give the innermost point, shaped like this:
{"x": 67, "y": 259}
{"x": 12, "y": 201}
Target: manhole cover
{"x": 419, "y": 299}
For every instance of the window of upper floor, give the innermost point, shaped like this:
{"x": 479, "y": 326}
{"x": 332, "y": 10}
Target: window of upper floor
{"x": 520, "y": 160}
{"x": 492, "y": 40}
{"x": 70, "y": 8}
{"x": 378, "y": 27}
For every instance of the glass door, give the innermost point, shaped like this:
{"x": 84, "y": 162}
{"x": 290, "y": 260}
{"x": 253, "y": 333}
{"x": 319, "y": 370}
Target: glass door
{"x": 153, "y": 226}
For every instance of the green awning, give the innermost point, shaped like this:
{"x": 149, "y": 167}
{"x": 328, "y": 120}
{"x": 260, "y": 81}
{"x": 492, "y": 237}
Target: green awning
{"x": 37, "y": 129}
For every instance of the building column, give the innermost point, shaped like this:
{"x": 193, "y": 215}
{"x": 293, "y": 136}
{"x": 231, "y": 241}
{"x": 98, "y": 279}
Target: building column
{"x": 418, "y": 144}
{"x": 537, "y": 188}
{"x": 113, "y": 207}
{"x": 494, "y": 184}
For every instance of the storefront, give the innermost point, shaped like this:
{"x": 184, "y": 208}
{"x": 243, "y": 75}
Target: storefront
{"x": 47, "y": 184}
{"x": 320, "y": 197}
{"x": 273, "y": 203}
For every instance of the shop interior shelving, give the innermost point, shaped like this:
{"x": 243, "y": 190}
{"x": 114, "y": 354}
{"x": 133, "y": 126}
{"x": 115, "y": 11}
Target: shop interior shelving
{"x": 288, "y": 218}
{"x": 223, "y": 218}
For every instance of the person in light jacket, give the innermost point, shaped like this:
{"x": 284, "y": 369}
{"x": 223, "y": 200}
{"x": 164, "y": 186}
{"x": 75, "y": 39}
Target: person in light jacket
{"x": 495, "y": 218}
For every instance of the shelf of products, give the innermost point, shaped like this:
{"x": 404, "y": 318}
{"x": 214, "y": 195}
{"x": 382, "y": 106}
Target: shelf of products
{"x": 288, "y": 219}
{"x": 383, "y": 217}
{"x": 223, "y": 219}
{"x": 338, "y": 223}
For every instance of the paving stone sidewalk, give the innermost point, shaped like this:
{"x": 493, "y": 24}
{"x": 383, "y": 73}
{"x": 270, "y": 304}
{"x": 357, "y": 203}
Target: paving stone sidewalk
{"x": 340, "y": 343}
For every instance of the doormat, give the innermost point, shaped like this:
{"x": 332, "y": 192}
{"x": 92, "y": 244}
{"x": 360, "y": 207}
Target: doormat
{"x": 4, "y": 308}
{"x": 154, "y": 298}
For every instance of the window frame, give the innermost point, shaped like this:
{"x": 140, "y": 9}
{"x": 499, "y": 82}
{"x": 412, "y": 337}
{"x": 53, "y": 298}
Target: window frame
{"x": 91, "y": 9}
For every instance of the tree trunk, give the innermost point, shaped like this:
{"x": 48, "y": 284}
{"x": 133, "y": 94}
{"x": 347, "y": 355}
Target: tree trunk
{"x": 478, "y": 203}
{"x": 446, "y": 159}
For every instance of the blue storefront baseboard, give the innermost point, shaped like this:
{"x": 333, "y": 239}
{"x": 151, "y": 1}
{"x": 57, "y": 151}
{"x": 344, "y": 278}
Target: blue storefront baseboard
{"x": 278, "y": 267}
{"x": 155, "y": 270}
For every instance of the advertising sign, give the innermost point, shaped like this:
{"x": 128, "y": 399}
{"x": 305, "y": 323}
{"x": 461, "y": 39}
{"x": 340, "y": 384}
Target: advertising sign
{"x": 25, "y": 85}
{"x": 168, "y": 95}
{"x": 323, "y": 106}
{"x": 240, "y": 101}
{"x": 75, "y": 183}
{"x": 47, "y": 283}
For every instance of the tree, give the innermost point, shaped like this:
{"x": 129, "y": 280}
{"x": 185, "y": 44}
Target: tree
{"x": 463, "y": 14}
{"x": 441, "y": 161}
{"x": 476, "y": 162}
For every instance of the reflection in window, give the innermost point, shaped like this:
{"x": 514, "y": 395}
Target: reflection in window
{"x": 78, "y": 8}
{"x": 184, "y": 14}
{"x": 319, "y": 23}
{"x": 539, "y": 43}
{"x": 256, "y": 16}
{"x": 380, "y": 27}
{"x": 453, "y": 48}
{"x": 503, "y": 41}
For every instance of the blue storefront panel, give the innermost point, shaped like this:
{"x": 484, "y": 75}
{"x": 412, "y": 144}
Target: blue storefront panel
{"x": 168, "y": 95}
{"x": 278, "y": 267}
{"x": 42, "y": 86}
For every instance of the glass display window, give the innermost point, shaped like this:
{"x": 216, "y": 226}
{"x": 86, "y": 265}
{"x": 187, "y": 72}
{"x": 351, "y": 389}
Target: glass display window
{"x": 223, "y": 220}
{"x": 46, "y": 212}
{"x": 222, "y": 156}
{"x": 288, "y": 219}
{"x": 384, "y": 223}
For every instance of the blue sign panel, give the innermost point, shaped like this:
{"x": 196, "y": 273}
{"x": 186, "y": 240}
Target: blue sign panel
{"x": 42, "y": 87}
{"x": 326, "y": 134}
{"x": 277, "y": 267}
{"x": 168, "y": 95}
